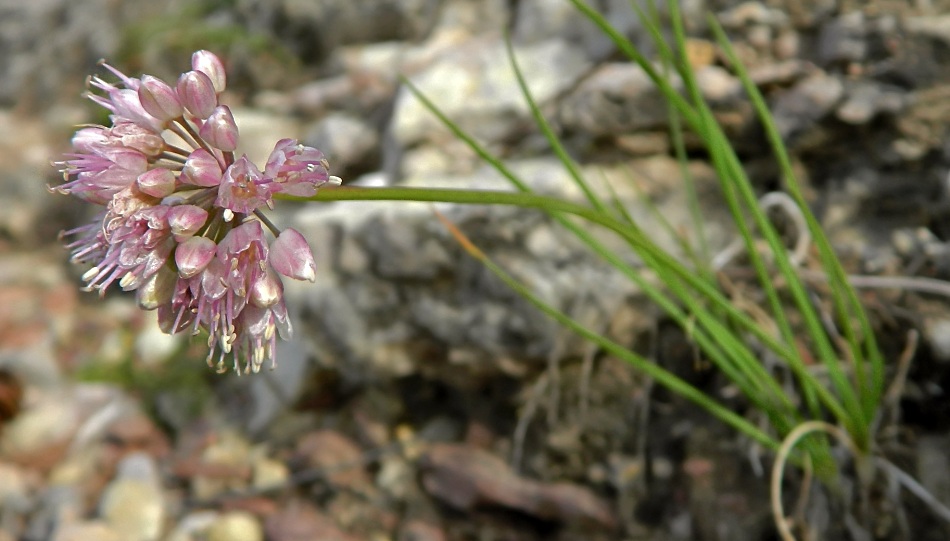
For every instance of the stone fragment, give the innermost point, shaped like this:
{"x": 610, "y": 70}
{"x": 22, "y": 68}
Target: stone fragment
{"x": 417, "y": 530}
{"x": 842, "y": 39}
{"x": 87, "y": 531}
{"x": 133, "y": 504}
{"x": 749, "y": 13}
{"x": 717, "y": 85}
{"x": 269, "y": 474}
{"x": 224, "y": 465}
{"x": 475, "y": 87}
{"x": 300, "y": 521}
{"x": 15, "y": 488}
{"x": 337, "y": 457}
{"x": 193, "y": 526}
{"x": 866, "y": 100}
{"x": 617, "y": 98}
{"x": 236, "y": 526}
{"x": 933, "y": 466}
{"x": 350, "y": 144}
{"x": 469, "y": 478}
{"x": 933, "y": 26}
{"x": 801, "y": 106}
{"x": 937, "y": 336}
{"x": 42, "y": 428}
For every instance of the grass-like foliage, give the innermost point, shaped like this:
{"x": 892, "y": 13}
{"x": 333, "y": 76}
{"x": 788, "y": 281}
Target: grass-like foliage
{"x": 794, "y": 326}
{"x": 690, "y": 293}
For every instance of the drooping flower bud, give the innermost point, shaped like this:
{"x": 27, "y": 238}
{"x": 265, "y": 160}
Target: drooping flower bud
{"x": 196, "y": 93}
{"x": 193, "y": 255}
{"x": 157, "y": 289}
{"x": 209, "y": 64}
{"x": 90, "y": 139}
{"x": 127, "y": 106}
{"x": 185, "y": 220}
{"x": 290, "y": 255}
{"x": 201, "y": 169}
{"x": 159, "y": 99}
{"x": 220, "y": 130}
{"x": 158, "y": 182}
{"x": 267, "y": 290}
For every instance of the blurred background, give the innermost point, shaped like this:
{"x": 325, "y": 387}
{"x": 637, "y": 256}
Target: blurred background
{"x": 421, "y": 399}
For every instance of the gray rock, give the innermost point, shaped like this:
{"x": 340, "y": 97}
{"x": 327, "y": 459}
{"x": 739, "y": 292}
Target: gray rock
{"x": 312, "y": 30}
{"x": 402, "y": 250}
{"x": 865, "y": 100}
{"x": 25, "y": 154}
{"x": 36, "y": 36}
{"x": 759, "y": 36}
{"x": 787, "y": 44}
{"x": 811, "y": 12}
{"x": 617, "y": 98}
{"x": 933, "y": 26}
{"x": 15, "y": 492}
{"x": 718, "y": 85}
{"x": 471, "y": 18}
{"x": 350, "y": 144}
{"x": 933, "y": 467}
{"x": 538, "y": 20}
{"x": 473, "y": 85}
{"x": 843, "y": 39}
{"x": 260, "y": 130}
{"x": 937, "y": 335}
{"x": 752, "y": 13}
{"x": 57, "y": 507}
{"x": 810, "y": 100}
{"x": 271, "y": 392}
{"x": 783, "y": 72}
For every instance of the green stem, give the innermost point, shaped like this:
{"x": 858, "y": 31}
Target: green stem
{"x": 549, "y": 204}
{"x": 471, "y": 197}
{"x": 628, "y": 232}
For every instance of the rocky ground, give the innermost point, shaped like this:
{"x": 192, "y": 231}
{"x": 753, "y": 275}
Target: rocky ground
{"x": 422, "y": 400}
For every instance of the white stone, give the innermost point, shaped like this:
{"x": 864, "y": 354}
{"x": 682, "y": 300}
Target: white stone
{"x": 193, "y": 527}
{"x": 236, "y": 526}
{"x": 133, "y": 503}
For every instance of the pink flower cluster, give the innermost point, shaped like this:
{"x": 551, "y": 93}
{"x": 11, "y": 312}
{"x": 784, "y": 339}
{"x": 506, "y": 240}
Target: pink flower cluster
{"x": 182, "y": 224}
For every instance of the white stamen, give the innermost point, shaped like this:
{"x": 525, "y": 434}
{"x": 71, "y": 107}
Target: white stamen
{"x": 127, "y": 280}
{"x": 228, "y": 215}
{"x": 90, "y": 274}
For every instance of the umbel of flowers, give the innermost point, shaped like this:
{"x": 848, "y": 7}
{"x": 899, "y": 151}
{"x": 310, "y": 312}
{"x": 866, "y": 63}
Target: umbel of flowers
{"x": 182, "y": 222}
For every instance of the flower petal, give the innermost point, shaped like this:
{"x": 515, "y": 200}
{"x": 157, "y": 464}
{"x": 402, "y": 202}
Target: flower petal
{"x": 291, "y": 256}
